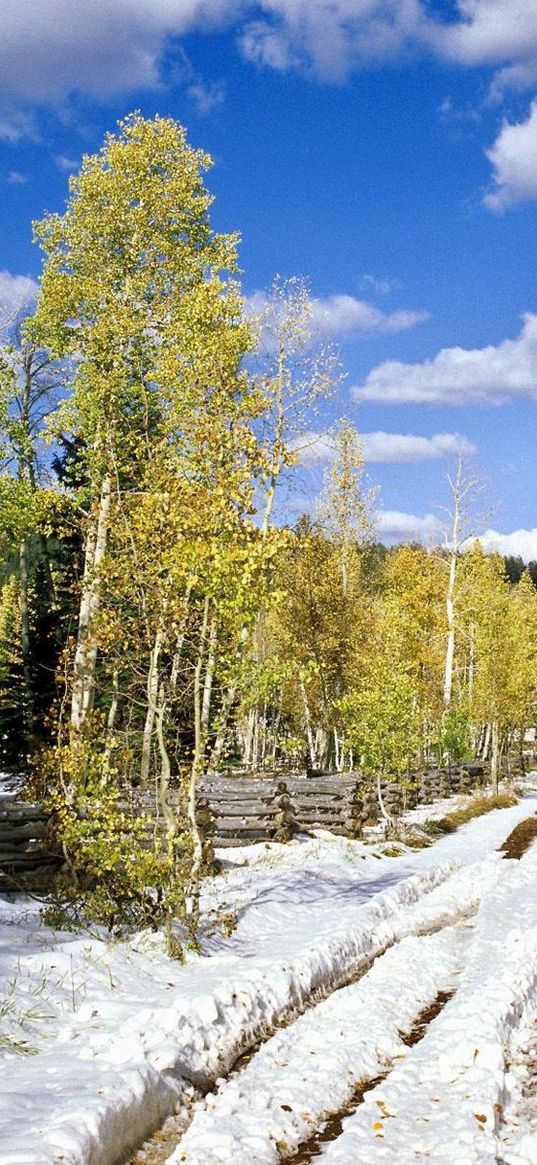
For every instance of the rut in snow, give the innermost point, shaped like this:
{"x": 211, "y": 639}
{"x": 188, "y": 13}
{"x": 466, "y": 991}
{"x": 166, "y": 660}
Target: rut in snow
{"x": 453, "y": 900}
{"x": 333, "y": 1127}
{"x": 455, "y": 897}
{"x": 313, "y": 1069}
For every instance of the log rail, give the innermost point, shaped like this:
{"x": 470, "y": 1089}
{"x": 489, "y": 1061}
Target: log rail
{"x": 240, "y": 810}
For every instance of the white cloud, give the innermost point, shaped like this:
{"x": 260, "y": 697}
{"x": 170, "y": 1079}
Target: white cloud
{"x": 338, "y": 317}
{"x": 459, "y": 376}
{"x": 343, "y": 315}
{"x": 15, "y": 124}
{"x": 381, "y": 286}
{"x": 401, "y": 448}
{"x": 56, "y": 47}
{"x": 398, "y": 526}
{"x": 385, "y": 448}
{"x": 68, "y": 165}
{"x": 519, "y": 542}
{"x": 16, "y": 178}
{"x": 206, "y": 97}
{"x": 16, "y": 292}
{"x": 329, "y": 38}
{"x": 492, "y": 32}
{"x": 514, "y": 161}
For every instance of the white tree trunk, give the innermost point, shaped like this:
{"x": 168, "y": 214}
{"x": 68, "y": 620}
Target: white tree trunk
{"x": 309, "y": 731}
{"x": 209, "y": 676}
{"x": 197, "y": 763}
{"x": 86, "y": 648}
{"x": 152, "y": 688}
{"x": 28, "y": 709}
{"x": 495, "y": 757}
{"x": 450, "y": 617}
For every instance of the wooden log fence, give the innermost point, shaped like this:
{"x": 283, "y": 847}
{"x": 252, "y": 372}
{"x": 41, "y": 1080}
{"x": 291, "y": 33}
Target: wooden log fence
{"x": 23, "y": 842}
{"x": 242, "y": 810}
{"x": 247, "y": 809}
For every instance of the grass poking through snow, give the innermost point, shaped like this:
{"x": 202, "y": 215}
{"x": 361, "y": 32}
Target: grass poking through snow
{"x": 481, "y": 803}
{"x": 476, "y": 807}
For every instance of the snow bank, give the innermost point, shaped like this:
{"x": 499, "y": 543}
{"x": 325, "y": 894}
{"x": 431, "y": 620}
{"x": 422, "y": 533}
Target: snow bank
{"x": 311, "y": 1069}
{"x": 127, "y": 1030}
{"x": 313, "y": 1065}
{"x": 122, "y": 1032}
{"x": 444, "y": 1102}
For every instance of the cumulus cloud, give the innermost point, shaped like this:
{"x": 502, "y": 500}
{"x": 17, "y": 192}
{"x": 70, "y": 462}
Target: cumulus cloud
{"x": 499, "y": 33}
{"x": 406, "y": 448}
{"x": 343, "y": 315}
{"x": 519, "y": 542}
{"x": 16, "y": 292}
{"x": 330, "y": 38}
{"x": 56, "y": 47}
{"x": 385, "y": 448}
{"x": 490, "y": 375}
{"x": 398, "y": 526}
{"x": 514, "y": 161}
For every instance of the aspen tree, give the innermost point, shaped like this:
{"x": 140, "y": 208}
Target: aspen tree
{"x": 123, "y": 263}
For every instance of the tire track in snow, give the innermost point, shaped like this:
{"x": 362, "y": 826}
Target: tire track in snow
{"x": 446, "y": 1102}
{"x": 455, "y": 896}
{"x": 311, "y": 1070}
{"x": 207, "y": 1139}
{"x": 310, "y": 1150}
{"x": 381, "y": 922}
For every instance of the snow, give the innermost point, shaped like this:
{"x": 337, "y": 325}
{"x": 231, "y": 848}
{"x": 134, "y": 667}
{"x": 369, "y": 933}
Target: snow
{"x": 123, "y": 1035}
{"x": 444, "y": 1101}
{"x": 303, "y": 1073}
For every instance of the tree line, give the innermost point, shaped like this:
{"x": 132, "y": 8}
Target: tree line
{"x": 156, "y": 620}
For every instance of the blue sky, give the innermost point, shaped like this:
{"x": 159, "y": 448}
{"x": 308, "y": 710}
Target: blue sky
{"x": 384, "y": 149}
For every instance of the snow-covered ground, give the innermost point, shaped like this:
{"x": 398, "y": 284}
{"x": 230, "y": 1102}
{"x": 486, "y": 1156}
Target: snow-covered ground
{"x": 122, "y": 1035}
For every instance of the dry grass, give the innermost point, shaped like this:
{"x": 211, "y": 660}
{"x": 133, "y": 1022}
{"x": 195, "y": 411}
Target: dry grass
{"x": 524, "y": 834}
{"x": 476, "y": 807}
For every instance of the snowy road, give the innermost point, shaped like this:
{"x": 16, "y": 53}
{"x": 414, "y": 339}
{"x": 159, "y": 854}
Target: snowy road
{"x": 126, "y": 1032}
{"x": 442, "y": 1100}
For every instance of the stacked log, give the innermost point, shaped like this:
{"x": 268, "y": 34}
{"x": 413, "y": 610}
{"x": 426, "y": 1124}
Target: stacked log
{"x": 239, "y": 810}
{"x": 248, "y": 809}
{"x": 23, "y": 847}
{"x": 328, "y": 802}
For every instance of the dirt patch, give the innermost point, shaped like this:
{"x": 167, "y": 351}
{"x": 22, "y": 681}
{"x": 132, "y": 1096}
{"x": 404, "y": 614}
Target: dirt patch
{"x": 520, "y": 839}
{"x": 476, "y": 807}
{"x": 426, "y": 1017}
{"x": 333, "y": 1127}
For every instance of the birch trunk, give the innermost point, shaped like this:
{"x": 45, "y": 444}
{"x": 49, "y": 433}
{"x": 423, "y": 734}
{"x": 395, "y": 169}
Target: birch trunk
{"x": 389, "y": 821}
{"x": 86, "y": 648}
{"x": 152, "y": 688}
{"x": 209, "y": 675}
{"x": 485, "y": 746}
{"x": 309, "y": 730}
{"x": 28, "y": 708}
{"x": 197, "y": 762}
{"x": 495, "y": 757}
{"x": 450, "y": 645}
